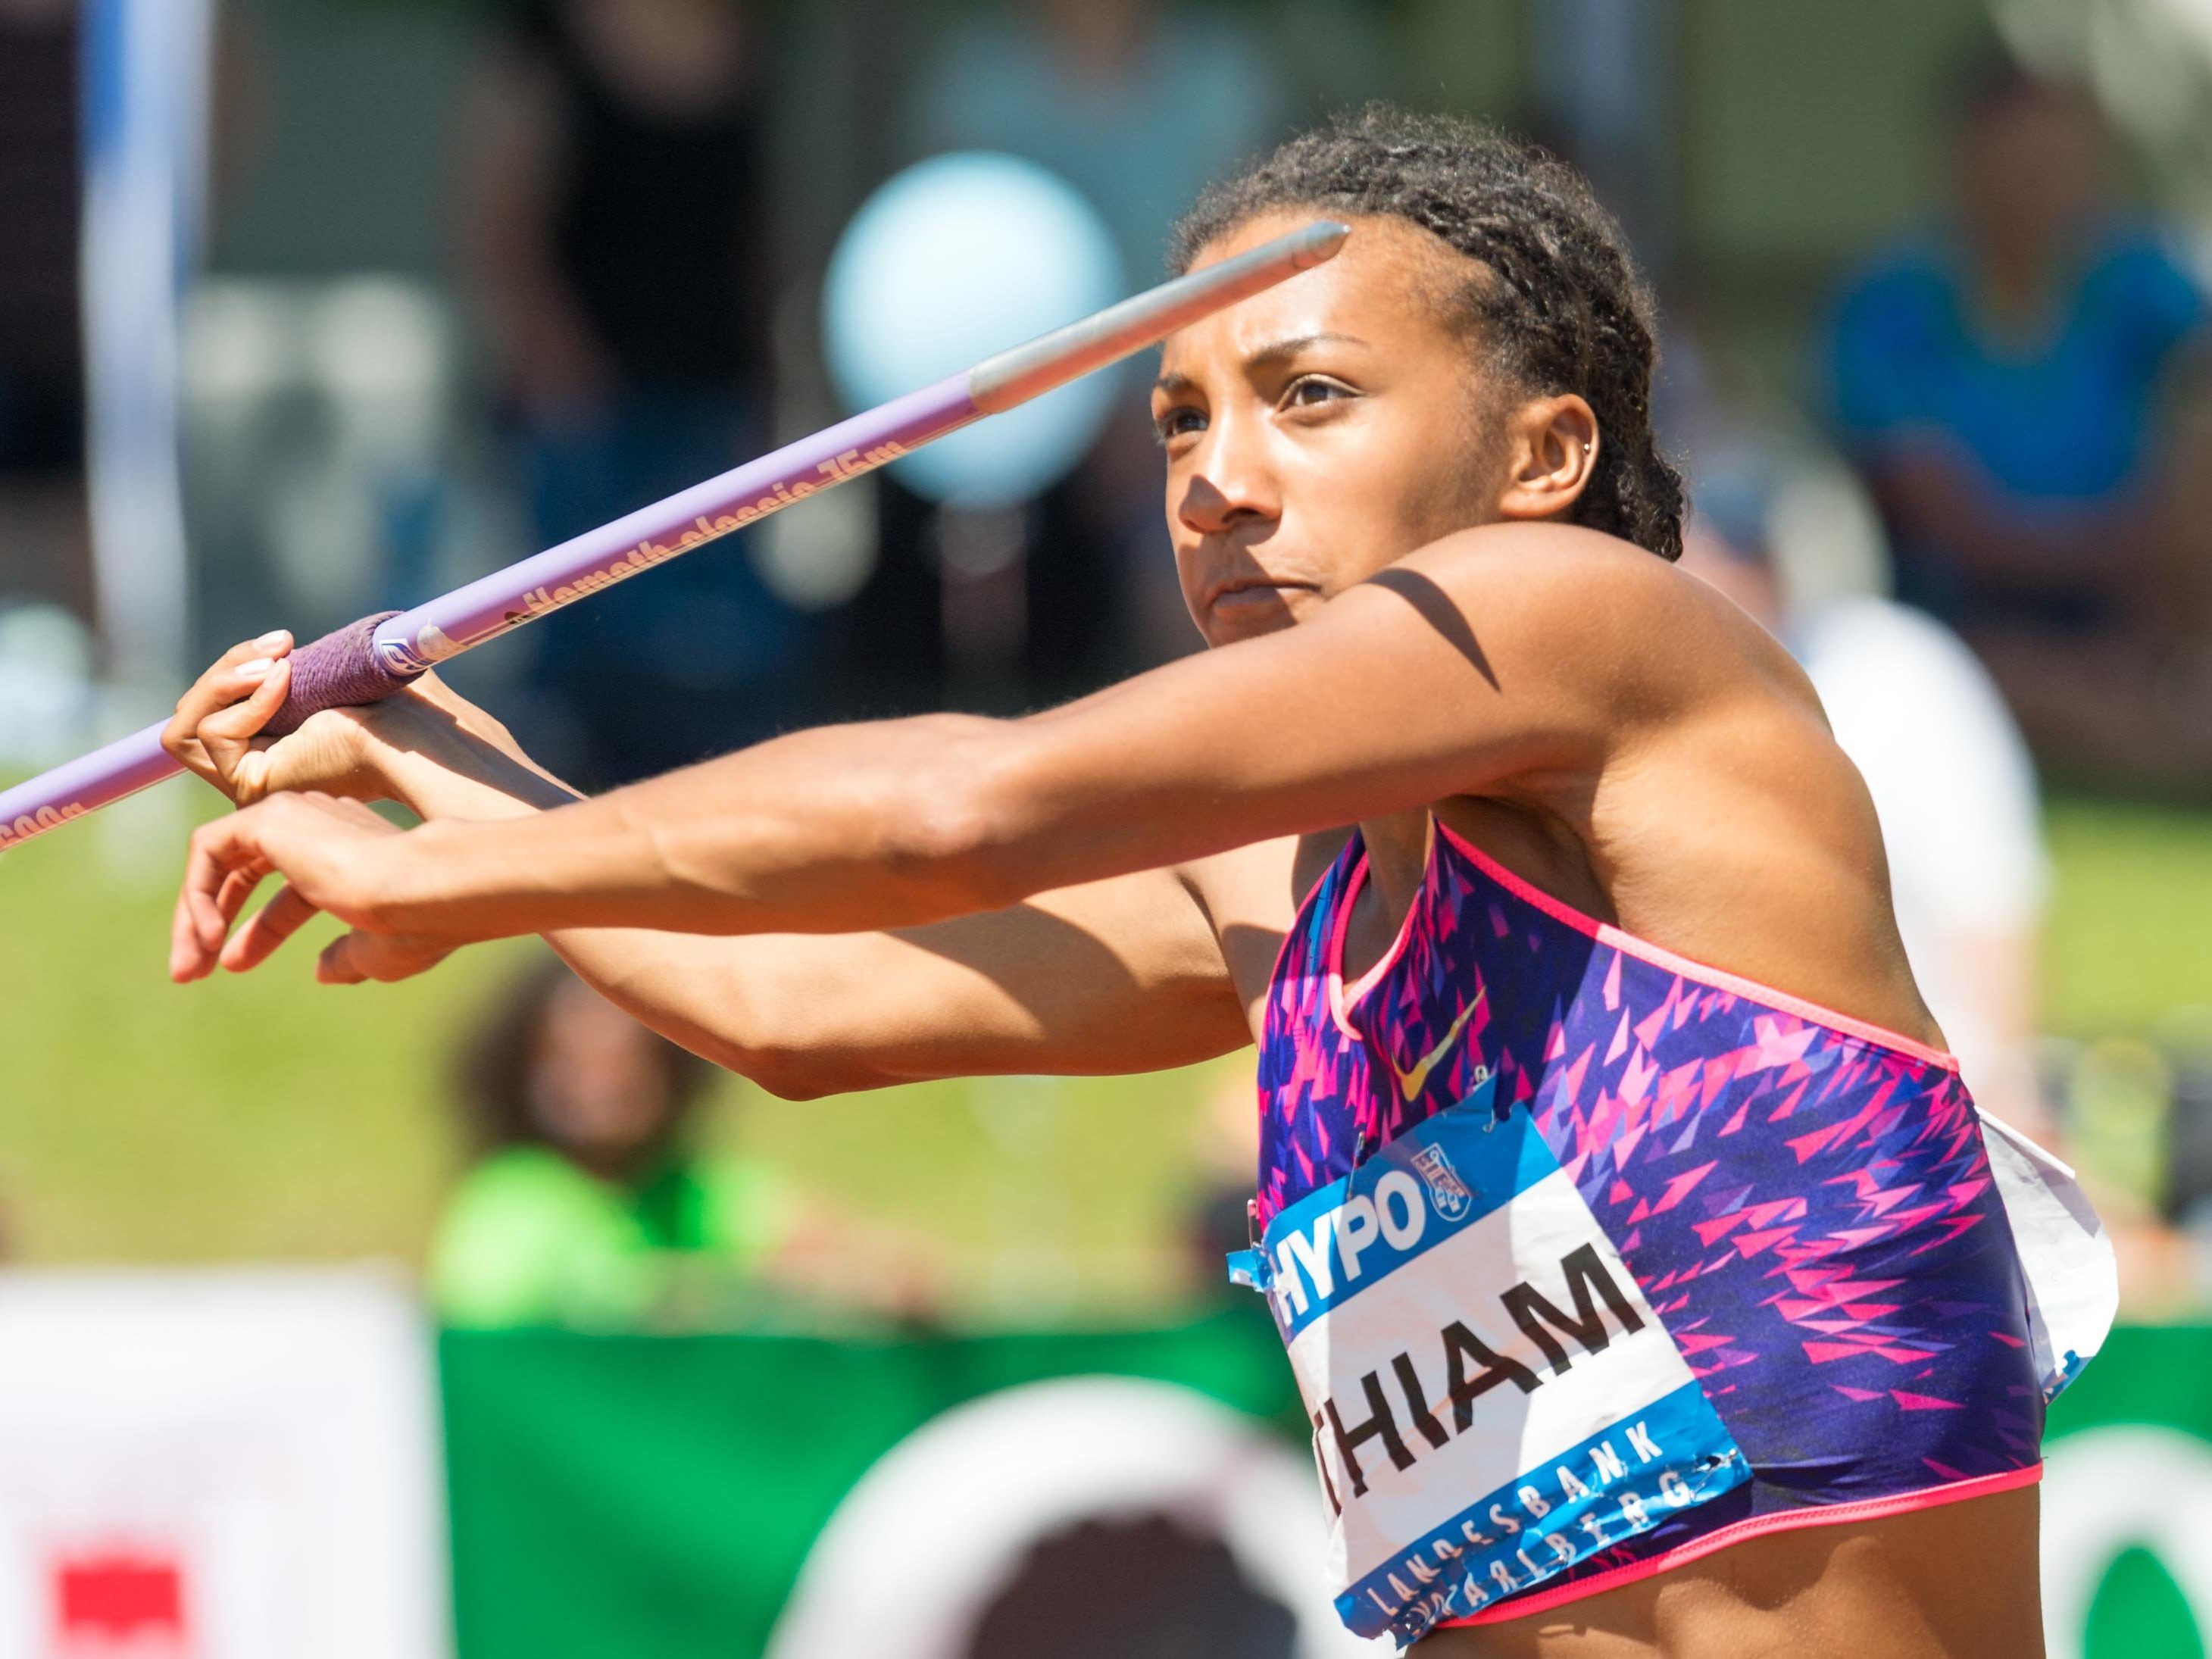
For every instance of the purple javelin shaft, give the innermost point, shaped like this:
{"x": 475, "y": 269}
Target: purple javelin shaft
{"x": 414, "y": 640}
{"x": 378, "y": 656}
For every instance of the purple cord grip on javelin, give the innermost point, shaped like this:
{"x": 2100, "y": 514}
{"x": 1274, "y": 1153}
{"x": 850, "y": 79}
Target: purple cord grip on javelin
{"x": 341, "y": 670}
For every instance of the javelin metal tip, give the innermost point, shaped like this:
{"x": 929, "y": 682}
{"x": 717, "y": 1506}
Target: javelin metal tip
{"x": 1318, "y": 242}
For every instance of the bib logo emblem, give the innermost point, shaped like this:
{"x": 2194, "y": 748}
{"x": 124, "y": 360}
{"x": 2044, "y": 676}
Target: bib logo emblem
{"x": 1447, "y": 1192}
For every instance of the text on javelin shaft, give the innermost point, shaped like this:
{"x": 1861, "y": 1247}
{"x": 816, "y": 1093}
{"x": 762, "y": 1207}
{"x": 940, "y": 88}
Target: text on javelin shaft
{"x": 646, "y": 554}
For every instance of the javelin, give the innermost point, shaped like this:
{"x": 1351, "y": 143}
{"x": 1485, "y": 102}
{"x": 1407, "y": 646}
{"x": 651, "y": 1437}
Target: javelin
{"x": 372, "y": 658}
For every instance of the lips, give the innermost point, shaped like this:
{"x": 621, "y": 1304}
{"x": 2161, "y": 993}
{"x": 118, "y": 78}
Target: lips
{"x": 1241, "y": 585}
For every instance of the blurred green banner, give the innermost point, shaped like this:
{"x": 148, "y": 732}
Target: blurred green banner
{"x": 2127, "y": 1501}
{"x": 658, "y": 1497}
{"x": 655, "y": 1497}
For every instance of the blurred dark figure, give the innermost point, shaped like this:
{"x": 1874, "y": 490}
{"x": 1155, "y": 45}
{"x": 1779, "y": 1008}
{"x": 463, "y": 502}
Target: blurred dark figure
{"x": 1143, "y": 1587}
{"x": 589, "y": 1206}
{"x": 2004, "y": 383}
{"x": 44, "y": 553}
{"x": 616, "y": 199}
{"x": 1137, "y": 104}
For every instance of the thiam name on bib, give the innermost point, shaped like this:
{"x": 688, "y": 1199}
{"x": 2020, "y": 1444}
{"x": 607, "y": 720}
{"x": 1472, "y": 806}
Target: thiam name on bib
{"x": 1493, "y": 1398}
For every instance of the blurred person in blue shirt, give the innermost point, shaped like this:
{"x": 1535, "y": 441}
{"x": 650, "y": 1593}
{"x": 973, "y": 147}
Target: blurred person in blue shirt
{"x": 2001, "y": 381}
{"x": 616, "y": 196}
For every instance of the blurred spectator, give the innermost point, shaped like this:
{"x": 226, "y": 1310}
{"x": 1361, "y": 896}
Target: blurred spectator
{"x": 617, "y": 199}
{"x": 2000, "y": 380}
{"x": 592, "y": 1204}
{"x": 44, "y": 555}
{"x": 589, "y": 1206}
{"x": 1950, "y": 777}
{"x": 1136, "y": 104}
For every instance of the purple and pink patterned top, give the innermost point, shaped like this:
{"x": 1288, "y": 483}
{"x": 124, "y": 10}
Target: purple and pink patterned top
{"x": 1804, "y": 1198}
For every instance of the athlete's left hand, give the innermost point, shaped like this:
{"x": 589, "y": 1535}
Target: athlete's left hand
{"x": 335, "y": 856}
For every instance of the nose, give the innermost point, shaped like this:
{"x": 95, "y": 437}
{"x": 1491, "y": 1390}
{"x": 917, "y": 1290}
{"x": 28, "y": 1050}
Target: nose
{"x": 1230, "y": 478}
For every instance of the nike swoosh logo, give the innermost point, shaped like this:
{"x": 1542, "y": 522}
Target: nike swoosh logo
{"x": 1412, "y": 1079}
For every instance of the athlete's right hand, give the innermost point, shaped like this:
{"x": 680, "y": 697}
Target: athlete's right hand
{"x": 216, "y": 732}
{"x": 425, "y": 747}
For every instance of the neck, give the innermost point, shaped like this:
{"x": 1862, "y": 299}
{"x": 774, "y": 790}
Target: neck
{"x": 627, "y": 1167}
{"x": 2015, "y": 282}
{"x": 1397, "y": 857}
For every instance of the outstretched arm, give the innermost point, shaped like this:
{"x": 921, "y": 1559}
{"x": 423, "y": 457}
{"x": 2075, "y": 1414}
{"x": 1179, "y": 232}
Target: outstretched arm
{"x": 1116, "y": 977}
{"x": 1498, "y": 657}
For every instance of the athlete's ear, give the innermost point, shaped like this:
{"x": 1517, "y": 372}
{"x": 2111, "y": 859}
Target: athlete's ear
{"x": 1551, "y": 451}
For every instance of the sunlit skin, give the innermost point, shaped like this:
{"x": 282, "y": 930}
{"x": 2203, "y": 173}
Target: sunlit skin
{"x": 1369, "y": 525}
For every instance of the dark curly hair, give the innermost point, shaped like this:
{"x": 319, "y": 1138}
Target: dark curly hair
{"x": 1559, "y": 304}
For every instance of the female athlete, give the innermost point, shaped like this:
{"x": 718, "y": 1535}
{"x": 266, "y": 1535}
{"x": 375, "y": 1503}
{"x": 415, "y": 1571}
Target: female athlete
{"x": 1633, "y": 1233}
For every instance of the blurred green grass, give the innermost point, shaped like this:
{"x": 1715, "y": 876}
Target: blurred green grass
{"x": 2130, "y": 935}
{"x": 269, "y": 1117}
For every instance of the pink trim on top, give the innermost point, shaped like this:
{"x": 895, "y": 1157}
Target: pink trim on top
{"x": 1827, "y": 1515}
{"x": 1341, "y": 996}
{"x": 1719, "y": 978}
{"x": 1291, "y": 933}
{"x": 1333, "y": 951}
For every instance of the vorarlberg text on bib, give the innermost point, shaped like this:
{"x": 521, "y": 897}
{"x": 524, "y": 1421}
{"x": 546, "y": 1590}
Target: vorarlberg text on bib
{"x": 1492, "y": 1399}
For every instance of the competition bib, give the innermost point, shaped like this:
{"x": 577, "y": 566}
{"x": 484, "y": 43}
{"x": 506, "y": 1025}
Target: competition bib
{"x": 1492, "y": 1399}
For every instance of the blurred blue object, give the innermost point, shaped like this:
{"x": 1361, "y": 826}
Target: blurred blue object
{"x": 952, "y": 260}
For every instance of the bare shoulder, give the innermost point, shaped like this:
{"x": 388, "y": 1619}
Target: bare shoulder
{"x": 1543, "y": 561}
{"x": 1605, "y": 609}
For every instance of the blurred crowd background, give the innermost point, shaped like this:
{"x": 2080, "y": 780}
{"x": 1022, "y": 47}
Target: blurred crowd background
{"x": 450, "y": 281}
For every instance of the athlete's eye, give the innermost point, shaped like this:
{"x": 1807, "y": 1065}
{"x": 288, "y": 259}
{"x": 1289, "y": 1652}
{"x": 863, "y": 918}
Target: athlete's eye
{"x": 1308, "y": 390}
{"x": 1183, "y": 419}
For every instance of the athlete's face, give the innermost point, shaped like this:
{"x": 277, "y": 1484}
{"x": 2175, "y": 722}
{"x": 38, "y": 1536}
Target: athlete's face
{"x": 1324, "y": 428}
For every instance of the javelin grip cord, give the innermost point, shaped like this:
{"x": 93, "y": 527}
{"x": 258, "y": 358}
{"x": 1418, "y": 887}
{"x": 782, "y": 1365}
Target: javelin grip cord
{"x": 339, "y": 671}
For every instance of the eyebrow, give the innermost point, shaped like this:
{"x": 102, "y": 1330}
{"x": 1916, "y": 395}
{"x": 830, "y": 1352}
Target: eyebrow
{"x": 1272, "y": 355}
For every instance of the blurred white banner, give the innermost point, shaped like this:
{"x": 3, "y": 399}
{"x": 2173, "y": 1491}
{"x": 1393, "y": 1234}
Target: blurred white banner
{"x": 228, "y": 1465}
